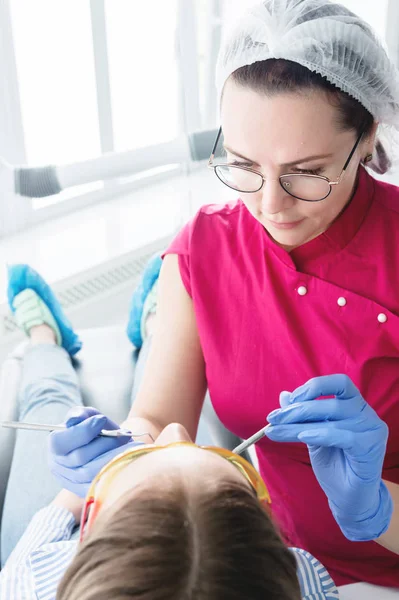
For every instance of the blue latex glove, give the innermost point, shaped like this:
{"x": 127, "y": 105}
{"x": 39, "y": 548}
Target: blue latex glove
{"x": 22, "y": 277}
{"x": 78, "y": 453}
{"x": 347, "y": 443}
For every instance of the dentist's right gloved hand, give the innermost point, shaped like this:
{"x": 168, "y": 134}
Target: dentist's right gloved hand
{"x": 77, "y": 454}
{"x": 347, "y": 441}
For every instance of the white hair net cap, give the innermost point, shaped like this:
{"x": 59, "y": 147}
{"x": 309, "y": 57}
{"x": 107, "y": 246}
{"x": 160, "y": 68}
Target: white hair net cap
{"x": 326, "y": 38}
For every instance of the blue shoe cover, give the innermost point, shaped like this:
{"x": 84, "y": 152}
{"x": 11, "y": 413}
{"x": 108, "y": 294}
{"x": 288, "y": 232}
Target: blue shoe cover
{"x": 22, "y": 277}
{"x": 148, "y": 278}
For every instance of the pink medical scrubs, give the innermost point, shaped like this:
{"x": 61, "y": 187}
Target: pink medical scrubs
{"x": 269, "y": 321}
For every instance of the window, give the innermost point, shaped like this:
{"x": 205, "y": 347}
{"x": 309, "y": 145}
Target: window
{"x": 143, "y": 71}
{"x": 96, "y": 76}
{"x": 57, "y": 76}
{"x": 55, "y": 70}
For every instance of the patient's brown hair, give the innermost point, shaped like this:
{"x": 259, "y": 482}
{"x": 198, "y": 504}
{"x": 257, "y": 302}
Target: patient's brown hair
{"x": 184, "y": 543}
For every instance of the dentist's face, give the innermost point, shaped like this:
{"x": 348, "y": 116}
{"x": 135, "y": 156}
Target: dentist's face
{"x": 289, "y": 133}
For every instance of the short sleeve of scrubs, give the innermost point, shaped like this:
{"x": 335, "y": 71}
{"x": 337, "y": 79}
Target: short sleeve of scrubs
{"x": 180, "y": 245}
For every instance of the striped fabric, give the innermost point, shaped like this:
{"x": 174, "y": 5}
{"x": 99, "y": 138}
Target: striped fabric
{"x": 42, "y": 555}
{"x": 45, "y": 550}
{"x": 315, "y": 580}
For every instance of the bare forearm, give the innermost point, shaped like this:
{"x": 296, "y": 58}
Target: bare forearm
{"x": 390, "y": 539}
{"x": 140, "y": 425}
{"x": 174, "y": 380}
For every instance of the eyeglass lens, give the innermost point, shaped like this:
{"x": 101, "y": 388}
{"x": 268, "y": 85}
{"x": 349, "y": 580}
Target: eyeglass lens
{"x": 306, "y": 187}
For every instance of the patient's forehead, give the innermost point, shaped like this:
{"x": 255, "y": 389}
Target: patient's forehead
{"x": 188, "y": 459}
{"x": 193, "y": 464}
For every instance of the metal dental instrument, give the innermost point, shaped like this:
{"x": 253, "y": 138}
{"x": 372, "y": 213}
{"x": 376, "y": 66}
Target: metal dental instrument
{"x": 42, "y": 427}
{"x": 250, "y": 441}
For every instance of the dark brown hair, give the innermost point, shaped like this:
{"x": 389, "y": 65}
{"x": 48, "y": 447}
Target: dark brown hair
{"x": 184, "y": 543}
{"x": 275, "y": 76}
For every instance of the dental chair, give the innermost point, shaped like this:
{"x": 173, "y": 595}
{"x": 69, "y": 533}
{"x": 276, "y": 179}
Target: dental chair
{"x": 106, "y": 364}
{"x": 105, "y": 367}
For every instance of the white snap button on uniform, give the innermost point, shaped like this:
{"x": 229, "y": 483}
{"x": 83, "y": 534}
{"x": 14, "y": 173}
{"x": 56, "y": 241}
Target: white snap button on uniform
{"x": 382, "y": 318}
{"x": 341, "y": 301}
{"x": 302, "y": 291}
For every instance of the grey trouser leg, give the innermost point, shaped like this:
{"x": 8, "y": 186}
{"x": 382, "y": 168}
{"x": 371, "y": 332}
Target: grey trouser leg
{"x": 49, "y": 388}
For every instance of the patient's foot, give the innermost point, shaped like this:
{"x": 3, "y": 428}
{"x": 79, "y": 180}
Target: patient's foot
{"x": 143, "y": 304}
{"x": 33, "y": 316}
{"x": 33, "y": 302}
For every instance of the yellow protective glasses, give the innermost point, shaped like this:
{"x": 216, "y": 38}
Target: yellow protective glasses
{"x": 111, "y": 469}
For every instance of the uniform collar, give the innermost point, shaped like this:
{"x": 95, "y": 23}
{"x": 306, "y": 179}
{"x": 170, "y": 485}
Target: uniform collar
{"x": 339, "y": 234}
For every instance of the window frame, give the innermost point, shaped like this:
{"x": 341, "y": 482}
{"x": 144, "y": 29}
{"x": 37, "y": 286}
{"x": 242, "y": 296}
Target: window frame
{"x": 12, "y": 145}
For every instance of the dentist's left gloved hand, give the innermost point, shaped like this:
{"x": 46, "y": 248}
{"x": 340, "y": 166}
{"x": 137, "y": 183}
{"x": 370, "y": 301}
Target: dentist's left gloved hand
{"x": 347, "y": 443}
{"x": 77, "y": 454}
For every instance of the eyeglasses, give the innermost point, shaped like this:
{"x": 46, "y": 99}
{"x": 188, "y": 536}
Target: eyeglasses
{"x": 303, "y": 186}
{"x": 101, "y": 483}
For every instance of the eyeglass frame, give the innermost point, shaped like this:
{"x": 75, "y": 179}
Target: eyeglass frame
{"x": 326, "y": 179}
{"x": 92, "y": 504}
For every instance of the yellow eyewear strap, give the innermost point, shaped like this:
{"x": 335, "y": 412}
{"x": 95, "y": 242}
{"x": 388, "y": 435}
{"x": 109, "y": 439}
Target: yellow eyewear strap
{"x": 111, "y": 469}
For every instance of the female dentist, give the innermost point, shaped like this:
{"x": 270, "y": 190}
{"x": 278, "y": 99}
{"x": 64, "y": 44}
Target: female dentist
{"x": 295, "y": 282}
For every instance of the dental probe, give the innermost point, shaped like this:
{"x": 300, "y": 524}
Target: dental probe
{"x": 250, "y": 441}
{"x": 43, "y": 427}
